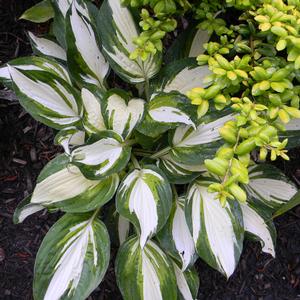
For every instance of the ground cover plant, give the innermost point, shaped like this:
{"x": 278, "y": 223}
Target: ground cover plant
{"x": 132, "y": 151}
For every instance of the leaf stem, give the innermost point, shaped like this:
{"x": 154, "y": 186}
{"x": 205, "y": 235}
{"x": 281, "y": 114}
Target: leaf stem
{"x": 135, "y": 162}
{"x": 161, "y": 152}
{"x": 147, "y": 88}
{"x": 130, "y": 142}
{"x": 142, "y": 152}
{"x": 175, "y": 194}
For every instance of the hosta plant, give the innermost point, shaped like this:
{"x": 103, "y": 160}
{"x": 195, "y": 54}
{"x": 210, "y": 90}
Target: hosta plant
{"x": 148, "y": 165}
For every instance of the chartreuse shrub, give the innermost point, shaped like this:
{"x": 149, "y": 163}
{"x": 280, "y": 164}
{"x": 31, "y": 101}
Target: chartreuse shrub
{"x": 164, "y": 160}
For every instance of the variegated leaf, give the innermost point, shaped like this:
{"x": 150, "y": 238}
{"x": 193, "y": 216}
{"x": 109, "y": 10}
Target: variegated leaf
{"x": 34, "y": 63}
{"x": 47, "y": 47}
{"x": 5, "y": 76}
{"x": 177, "y": 172}
{"x": 190, "y": 146}
{"x": 122, "y": 112}
{"x": 85, "y": 60}
{"x": 181, "y": 76}
{"x": 72, "y": 259}
{"x": 123, "y": 229}
{"x": 48, "y": 98}
{"x": 292, "y": 133}
{"x": 93, "y": 121}
{"x": 217, "y": 231}
{"x": 167, "y": 111}
{"x": 62, "y": 186}
{"x": 63, "y": 6}
{"x": 145, "y": 273}
{"x": 24, "y": 209}
{"x": 176, "y": 238}
{"x": 187, "y": 283}
{"x": 144, "y": 197}
{"x": 105, "y": 154}
{"x": 190, "y": 43}
{"x": 269, "y": 186}
{"x": 258, "y": 223}
{"x": 199, "y": 39}
{"x": 69, "y": 137}
{"x": 118, "y": 30}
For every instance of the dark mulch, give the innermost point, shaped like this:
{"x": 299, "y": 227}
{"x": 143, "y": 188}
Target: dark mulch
{"x": 26, "y": 146}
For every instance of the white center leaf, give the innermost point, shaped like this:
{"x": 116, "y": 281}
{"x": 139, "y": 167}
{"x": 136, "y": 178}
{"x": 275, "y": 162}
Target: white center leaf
{"x": 47, "y": 47}
{"x": 216, "y": 230}
{"x": 85, "y": 59}
{"x": 122, "y": 115}
{"x": 144, "y": 197}
{"x": 257, "y": 225}
{"x": 63, "y": 6}
{"x": 193, "y": 146}
{"x": 93, "y": 119}
{"x": 169, "y": 114}
{"x": 166, "y": 111}
{"x": 145, "y": 273}
{"x": 61, "y": 185}
{"x": 72, "y": 259}
{"x": 182, "y": 237}
{"x": 187, "y": 79}
{"x": 104, "y": 155}
{"x": 204, "y": 133}
{"x": 197, "y": 47}
{"x": 118, "y": 30}
{"x": 69, "y": 137}
{"x": 270, "y": 186}
{"x": 54, "y": 98}
{"x": 180, "y": 76}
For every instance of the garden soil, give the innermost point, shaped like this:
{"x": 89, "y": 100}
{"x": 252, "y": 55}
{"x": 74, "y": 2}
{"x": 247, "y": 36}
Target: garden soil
{"x": 26, "y": 146}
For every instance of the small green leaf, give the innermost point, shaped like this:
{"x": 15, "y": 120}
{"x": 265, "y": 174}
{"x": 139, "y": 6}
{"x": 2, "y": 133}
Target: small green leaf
{"x": 39, "y": 13}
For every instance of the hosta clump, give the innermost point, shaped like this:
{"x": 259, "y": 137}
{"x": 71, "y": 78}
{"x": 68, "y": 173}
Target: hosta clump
{"x": 135, "y": 158}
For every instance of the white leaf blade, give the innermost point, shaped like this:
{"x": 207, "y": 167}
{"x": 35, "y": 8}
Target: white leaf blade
{"x": 204, "y": 133}
{"x": 256, "y": 225}
{"x": 169, "y": 114}
{"x": 75, "y": 253}
{"x": 93, "y": 120}
{"x": 187, "y": 79}
{"x": 197, "y": 47}
{"x": 144, "y": 273}
{"x": 182, "y": 283}
{"x": 182, "y": 237}
{"x": 144, "y": 197}
{"x": 64, "y": 6}
{"x": 217, "y": 231}
{"x": 48, "y": 47}
{"x": 118, "y": 30}
{"x": 65, "y": 184}
{"x": 123, "y": 116}
{"x": 81, "y": 33}
{"x": 104, "y": 154}
{"x": 63, "y": 104}
{"x": 269, "y": 185}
